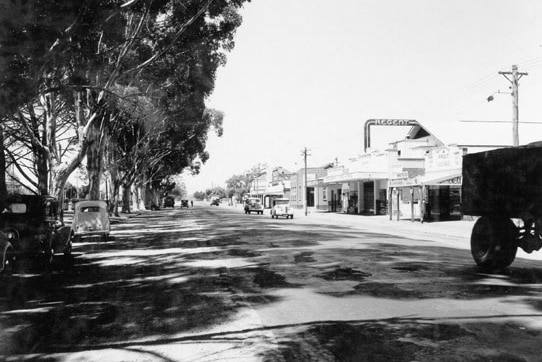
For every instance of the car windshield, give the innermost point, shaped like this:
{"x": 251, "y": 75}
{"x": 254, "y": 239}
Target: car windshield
{"x": 281, "y": 202}
{"x": 90, "y": 209}
{"x": 254, "y": 201}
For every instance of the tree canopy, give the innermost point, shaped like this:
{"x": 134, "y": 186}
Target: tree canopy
{"x": 120, "y": 84}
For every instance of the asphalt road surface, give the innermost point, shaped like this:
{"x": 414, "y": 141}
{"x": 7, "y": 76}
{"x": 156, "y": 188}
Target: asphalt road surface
{"x": 213, "y": 284}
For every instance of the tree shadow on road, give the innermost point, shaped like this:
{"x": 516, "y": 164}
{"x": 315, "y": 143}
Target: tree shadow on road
{"x": 182, "y": 278}
{"x": 179, "y": 274}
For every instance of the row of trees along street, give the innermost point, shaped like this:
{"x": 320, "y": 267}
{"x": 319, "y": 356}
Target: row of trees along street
{"x": 119, "y": 83}
{"x": 237, "y": 186}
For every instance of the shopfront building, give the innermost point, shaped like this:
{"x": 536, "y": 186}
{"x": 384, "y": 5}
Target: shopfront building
{"x": 433, "y": 196}
{"x": 356, "y": 192}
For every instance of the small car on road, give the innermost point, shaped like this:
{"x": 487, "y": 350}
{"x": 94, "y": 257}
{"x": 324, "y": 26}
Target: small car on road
{"x": 253, "y": 204}
{"x": 215, "y": 201}
{"x": 90, "y": 219}
{"x": 281, "y": 207}
{"x": 184, "y": 203}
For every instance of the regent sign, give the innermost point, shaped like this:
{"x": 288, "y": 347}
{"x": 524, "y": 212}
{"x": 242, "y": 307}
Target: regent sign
{"x": 385, "y": 122}
{"x": 393, "y": 122}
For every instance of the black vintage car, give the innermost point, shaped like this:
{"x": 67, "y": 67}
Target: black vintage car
{"x": 169, "y": 201}
{"x": 29, "y": 225}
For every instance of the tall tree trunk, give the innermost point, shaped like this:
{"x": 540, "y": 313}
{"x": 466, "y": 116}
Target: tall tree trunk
{"x": 150, "y": 198}
{"x": 62, "y": 170}
{"x": 42, "y": 166}
{"x": 140, "y": 196}
{"x": 114, "y": 206}
{"x": 3, "y": 185}
{"x": 126, "y": 197}
{"x": 94, "y": 162}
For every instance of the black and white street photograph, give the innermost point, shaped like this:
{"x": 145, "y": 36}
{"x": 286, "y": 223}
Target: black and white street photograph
{"x": 271, "y": 180}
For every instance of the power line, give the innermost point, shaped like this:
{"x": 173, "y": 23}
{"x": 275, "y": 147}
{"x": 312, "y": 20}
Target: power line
{"x": 480, "y": 121}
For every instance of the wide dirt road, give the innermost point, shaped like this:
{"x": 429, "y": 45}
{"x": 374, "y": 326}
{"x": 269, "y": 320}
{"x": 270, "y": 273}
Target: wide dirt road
{"x": 214, "y": 284}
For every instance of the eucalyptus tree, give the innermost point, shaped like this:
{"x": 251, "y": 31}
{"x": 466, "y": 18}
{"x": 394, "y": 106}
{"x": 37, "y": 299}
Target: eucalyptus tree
{"x": 30, "y": 141}
{"x": 79, "y": 52}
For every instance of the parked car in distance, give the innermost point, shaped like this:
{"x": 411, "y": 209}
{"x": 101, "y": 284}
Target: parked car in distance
{"x": 90, "y": 219}
{"x": 253, "y": 204}
{"x": 215, "y": 201}
{"x": 30, "y": 226}
{"x": 169, "y": 201}
{"x": 281, "y": 207}
{"x": 184, "y": 203}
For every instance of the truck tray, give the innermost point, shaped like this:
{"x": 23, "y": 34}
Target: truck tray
{"x": 503, "y": 182}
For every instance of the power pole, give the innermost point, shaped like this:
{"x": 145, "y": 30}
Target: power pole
{"x": 305, "y": 153}
{"x": 515, "y": 77}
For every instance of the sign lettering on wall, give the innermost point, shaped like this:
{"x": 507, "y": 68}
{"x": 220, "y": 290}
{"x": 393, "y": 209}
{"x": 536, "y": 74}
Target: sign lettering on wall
{"x": 385, "y": 122}
{"x": 393, "y": 122}
{"x": 451, "y": 181}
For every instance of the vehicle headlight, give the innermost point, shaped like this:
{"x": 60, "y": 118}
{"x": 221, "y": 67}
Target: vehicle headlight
{"x": 11, "y": 235}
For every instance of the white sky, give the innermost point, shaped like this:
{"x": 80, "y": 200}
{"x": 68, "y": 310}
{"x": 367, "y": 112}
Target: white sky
{"x": 311, "y": 72}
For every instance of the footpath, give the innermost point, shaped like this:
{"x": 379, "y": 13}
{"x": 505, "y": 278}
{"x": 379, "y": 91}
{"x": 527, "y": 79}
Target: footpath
{"x": 458, "y": 229}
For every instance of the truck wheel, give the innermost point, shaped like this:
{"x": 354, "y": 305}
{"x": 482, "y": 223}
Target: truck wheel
{"x": 492, "y": 242}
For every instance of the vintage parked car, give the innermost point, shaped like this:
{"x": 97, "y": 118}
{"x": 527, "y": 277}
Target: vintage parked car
{"x": 281, "y": 207}
{"x": 184, "y": 203}
{"x": 90, "y": 219}
{"x": 30, "y": 226}
{"x": 253, "y": 204}
{"x": 169, "y": 201}
{"x": 215, "y": 201}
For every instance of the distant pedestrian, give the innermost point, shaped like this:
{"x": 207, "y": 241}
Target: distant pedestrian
{"x": 191, "y": 203}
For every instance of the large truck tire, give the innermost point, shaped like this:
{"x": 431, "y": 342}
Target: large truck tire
{"x": 493, "y": 242}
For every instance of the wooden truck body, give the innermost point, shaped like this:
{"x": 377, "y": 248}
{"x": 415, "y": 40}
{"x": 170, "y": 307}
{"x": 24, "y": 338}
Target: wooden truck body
{"x": 504, "y": 188}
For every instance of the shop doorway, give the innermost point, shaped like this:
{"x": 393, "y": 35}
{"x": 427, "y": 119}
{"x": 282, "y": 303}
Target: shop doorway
{"x": 310, "y": 196}
{"x": 333, "y": 201}
{"x": 368, "y": 198}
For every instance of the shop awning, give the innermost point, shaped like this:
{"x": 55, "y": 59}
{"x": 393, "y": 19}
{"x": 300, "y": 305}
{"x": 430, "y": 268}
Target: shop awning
{"x": 356, "y": 176}
{"x": 453, "y": 178}
{"x": 275, "y": 190}
{"x": 450, "y": 179}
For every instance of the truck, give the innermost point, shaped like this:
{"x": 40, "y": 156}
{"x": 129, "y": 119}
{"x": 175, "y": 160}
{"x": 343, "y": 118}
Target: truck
{"x": 503, "y": 188}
